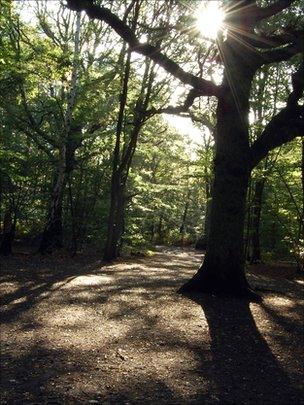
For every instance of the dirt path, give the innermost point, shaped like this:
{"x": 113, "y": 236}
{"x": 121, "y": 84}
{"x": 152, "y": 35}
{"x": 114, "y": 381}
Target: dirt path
{"x": 74, "y": 332}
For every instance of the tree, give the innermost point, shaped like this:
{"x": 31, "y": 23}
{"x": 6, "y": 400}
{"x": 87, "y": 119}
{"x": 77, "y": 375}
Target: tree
{"x": 167, "y": 194}
{"x": 138, "y": 94}
{"x": 243, "y": 52}
{"x": 49, "y": 96}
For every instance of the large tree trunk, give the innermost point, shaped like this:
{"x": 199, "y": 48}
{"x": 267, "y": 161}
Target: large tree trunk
{"x": 223, "y": 269}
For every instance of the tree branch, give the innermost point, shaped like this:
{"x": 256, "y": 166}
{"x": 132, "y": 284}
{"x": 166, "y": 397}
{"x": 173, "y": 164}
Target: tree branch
{"x": 32, "y": 122}
{"x": 278, "y": 55}
{"x": 176, "y": 110}
{"x": 285, "y": 126}
{"x": 205, "y": 121}
{"x": 206, "y": 87}
{"x": 273, "y": 41}
{"x": 260, "y": 13}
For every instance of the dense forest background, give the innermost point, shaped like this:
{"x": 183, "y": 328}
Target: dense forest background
{"x": 90, "y": 160}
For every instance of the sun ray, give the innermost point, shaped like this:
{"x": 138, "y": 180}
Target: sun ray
{"x": 210, "y": 17}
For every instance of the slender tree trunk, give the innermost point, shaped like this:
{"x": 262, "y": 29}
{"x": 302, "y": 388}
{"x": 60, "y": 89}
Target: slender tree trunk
{"x": 301, "y": 226}
{"x": 116, "y": 219}
{"x": 52, "y": 237}
{"x": 202, "y": 243}
{"x": 120, "y": 218}
{"x": 248, "y": 221}
{"x": 73, "y": 218}
{"x": 160, "y": 234}
{"x": 255, "y": 256}
{"x": 114, "y": 227}
{"x": 182, "y": 229}
{"x": 9, "y": 226}
{"x": 111, "y": 248}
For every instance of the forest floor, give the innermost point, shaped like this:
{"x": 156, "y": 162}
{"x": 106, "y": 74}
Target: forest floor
{"x": 76, "y": 331}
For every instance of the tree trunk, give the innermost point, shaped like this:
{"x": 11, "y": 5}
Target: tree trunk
{"x": 182, "y": 229}
{"x": 255, "y": 256}
{"x": 160, "y": 233}
{"x": 115, "y": 220}
{"x": 9, "y": 225}
{"x": 301, "y": 226}
{"x": 52, "y": 237}
{"x": 202, "y": 242}
{"x": 223, "y": 269}
{"x": 119, "y": 179}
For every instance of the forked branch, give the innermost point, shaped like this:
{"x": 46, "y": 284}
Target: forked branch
{"x": 205, "y": 87}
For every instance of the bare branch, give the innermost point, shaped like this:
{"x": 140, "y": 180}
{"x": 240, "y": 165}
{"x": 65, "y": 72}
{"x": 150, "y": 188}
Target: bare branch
{"x": 32, "y": 122}
{"x": 206, "y": 87}
{"x": 176, "y": 110}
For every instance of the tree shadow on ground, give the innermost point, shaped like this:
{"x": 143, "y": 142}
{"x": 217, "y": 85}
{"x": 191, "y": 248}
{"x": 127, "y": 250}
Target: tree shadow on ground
{"x": 44, "y": 375}
{"x": 36, "y": 278}
{"x": 82, "y": 359}
{"x": 243, "y": 366}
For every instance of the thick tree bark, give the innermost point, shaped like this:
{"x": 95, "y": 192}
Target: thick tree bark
{"x": 223, "y": 269}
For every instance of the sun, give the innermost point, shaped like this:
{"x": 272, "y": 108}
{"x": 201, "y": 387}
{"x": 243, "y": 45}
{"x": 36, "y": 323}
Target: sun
{"x": 210, "y": 17}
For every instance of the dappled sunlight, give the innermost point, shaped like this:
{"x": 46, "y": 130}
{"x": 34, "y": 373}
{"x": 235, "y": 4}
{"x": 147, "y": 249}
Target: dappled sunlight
{"x": 116, "y": 332}
{"x": 89, "y": 280}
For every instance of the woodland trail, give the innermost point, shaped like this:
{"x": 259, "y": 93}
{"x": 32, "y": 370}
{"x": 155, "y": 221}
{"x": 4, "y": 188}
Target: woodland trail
{"x": 79, "y": 332}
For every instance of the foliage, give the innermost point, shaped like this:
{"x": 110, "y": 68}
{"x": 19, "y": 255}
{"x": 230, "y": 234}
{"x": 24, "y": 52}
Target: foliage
{"x": 168, "y": 188}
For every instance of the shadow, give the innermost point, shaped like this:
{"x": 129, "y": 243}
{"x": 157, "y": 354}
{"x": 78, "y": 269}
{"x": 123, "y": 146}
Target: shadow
{"x": 31, "y": 377}
{"x": 292, "y": 326}
{"x": 119, "y": 334}
{"x": 244, "y": 370}
{"x": 34, "y": 280}
{"x": 43, "y": 375}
